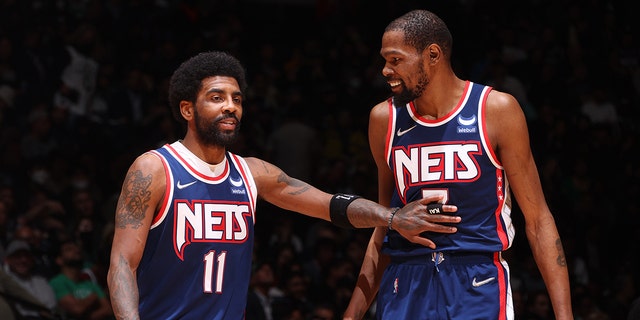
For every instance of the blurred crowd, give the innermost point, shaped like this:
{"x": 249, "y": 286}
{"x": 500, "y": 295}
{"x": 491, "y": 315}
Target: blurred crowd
{"x": 83, "y": 90}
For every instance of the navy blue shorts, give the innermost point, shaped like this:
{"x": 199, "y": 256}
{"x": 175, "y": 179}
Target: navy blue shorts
{"x": 446, "y": 286}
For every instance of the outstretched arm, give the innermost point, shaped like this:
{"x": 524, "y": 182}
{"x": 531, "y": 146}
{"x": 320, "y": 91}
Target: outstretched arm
{"x": 276, "y": 187}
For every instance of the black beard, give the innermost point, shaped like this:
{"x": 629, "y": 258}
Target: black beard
{"x": 210, "y": 133}
{"x": 405, "y": 96}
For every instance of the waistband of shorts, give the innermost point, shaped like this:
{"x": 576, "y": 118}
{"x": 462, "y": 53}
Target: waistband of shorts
{"x": 447, "y": 257}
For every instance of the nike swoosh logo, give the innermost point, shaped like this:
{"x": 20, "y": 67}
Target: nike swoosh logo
{"x": 401, "y": 132}
{"x": 182, "y": 186}
{"x": 480, "y": 283}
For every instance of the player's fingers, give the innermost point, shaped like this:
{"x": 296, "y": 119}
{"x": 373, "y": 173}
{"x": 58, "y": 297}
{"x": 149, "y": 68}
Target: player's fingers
{"x": 422, "y": 241}
{"x": 438, "y": 219}
{"x": 434, "y": 227}
{"x": 431, "y": 198}
{"x": 449, "y": 208}
{"x": 442, "y": 211}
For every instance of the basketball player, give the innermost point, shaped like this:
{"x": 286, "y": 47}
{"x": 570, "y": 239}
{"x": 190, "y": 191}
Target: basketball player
{"x": 184, "y": 232}
{"x": 443, "y": 135}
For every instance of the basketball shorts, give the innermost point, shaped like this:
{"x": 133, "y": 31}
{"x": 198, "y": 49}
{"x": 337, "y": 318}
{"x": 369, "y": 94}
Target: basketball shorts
{"x": 443, "y": 286}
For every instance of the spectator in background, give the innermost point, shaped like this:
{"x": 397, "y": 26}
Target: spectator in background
{"x": 259, "y": 302}
{"x": 87, "y": 222}
{"x": 41, "y": 248}
{"x": 45, "y": 213}
{"x": 283, "y": 233}
{"x": 38, "y": 142}
{"x": 538, "y": 306}
{"x": 322, "y": 255}
{"x": 286, "y": 261}
{"x": 599, "y": 108}
{"x": 296, "y": 297}
{"x": 79, "y": 76}
{"x": 323, "y": 311}
{"x": 294, "y": 145}
{"x": 19, "y": 263}
{"x": 336, "y": 284}
{"x": 11, "y": 293}
{"x": 78, "y": 297}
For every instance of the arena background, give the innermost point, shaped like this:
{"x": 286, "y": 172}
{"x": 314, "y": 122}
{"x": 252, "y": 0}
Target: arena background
{"x": 83, "y": 91}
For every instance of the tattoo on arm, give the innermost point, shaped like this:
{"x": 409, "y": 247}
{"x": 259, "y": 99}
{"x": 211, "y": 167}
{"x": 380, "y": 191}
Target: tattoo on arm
{"x": 264, "y": 166}
{"x": 561, "y": 259}
{"x": 134, "y": 200}
{"x": 124, "y": 292}
{"x": 295, "y": 183}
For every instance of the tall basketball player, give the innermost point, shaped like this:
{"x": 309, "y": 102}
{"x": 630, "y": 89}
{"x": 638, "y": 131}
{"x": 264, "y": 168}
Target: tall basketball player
{"x": 441, "y": 135}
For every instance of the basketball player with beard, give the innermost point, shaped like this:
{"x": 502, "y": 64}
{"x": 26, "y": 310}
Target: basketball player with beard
{"x": 184, "y": 222}
{"x": 442, "y": 135}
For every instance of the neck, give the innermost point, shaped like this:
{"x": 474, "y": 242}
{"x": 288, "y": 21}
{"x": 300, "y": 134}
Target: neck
{"x": 209, "y": 154}
{"x": 438, "y": 101}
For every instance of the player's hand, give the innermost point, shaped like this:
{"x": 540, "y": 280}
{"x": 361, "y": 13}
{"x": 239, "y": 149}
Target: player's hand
{"x": 415, "y": 218}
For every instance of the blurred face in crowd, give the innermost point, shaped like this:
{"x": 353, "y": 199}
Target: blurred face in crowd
{"x": 70, "y": 255}
{"x": 21, "y": 263}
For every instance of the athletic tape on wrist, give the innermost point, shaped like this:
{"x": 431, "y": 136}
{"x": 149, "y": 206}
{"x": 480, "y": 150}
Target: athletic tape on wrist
{"x": 338, "y": 209}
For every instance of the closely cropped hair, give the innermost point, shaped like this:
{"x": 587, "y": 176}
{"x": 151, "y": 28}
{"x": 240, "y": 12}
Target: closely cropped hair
{"x": 186, "y": 81}
{"x": 422, "y": 28}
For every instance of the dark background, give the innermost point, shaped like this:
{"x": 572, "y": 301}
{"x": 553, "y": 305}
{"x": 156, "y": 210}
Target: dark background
{"x": 75, "y": 119}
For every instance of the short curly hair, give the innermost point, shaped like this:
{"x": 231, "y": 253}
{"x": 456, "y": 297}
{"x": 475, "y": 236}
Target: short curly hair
{"x": 186, "y": 81}
{"x": 422, "y": 28}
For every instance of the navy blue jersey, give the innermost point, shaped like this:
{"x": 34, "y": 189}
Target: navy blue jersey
{"x": 450, "y": 156}
{"x": 201, "y": 240}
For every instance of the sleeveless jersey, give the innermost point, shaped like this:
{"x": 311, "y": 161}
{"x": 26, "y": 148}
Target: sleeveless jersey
{"x": 197, "y": 260}
{"x": 450, "y": 156}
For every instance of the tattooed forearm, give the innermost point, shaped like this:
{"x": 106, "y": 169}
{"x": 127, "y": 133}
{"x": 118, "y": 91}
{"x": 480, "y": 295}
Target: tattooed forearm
{"x": 123, "y": 290}
{"x": 134, "y": 200}
{"x": 295, "y": 183}
{"x": 561, "y": 260}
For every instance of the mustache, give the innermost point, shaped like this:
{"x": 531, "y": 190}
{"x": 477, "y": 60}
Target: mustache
{"x": 227, "y": 116}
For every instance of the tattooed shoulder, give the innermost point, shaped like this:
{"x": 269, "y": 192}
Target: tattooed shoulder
{"x": 134, "y": 200}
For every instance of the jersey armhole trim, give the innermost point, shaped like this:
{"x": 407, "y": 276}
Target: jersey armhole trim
{"x": 168, "y": 191}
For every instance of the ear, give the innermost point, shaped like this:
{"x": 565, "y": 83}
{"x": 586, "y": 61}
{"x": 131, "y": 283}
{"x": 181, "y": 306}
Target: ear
{"x": 186, "y": 109}
{"x": 434, "y": 53}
